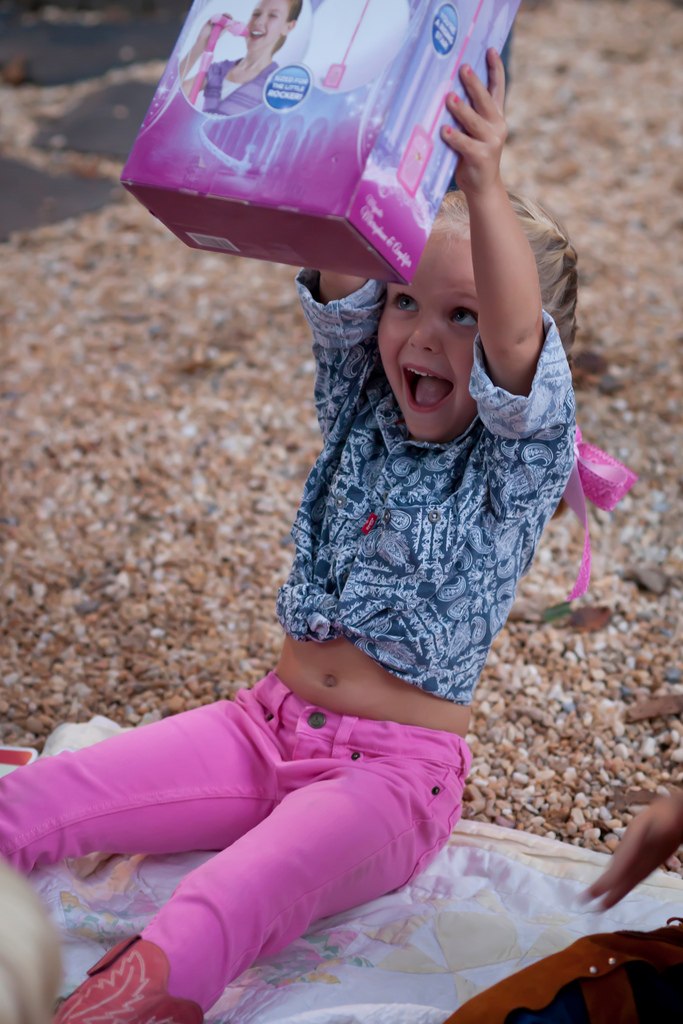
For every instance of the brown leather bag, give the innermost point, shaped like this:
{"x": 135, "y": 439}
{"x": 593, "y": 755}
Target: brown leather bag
{"x": 598, "y": 962}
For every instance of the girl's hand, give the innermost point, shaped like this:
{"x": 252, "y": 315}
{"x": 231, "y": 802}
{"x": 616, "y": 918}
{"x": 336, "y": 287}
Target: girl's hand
{"x": 648, "y": 841}
{"x": 481, "y": 142}
{"x": 206, "y": 30}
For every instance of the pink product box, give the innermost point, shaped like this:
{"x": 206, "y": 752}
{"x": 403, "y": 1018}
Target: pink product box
{"x": 307, "y": 131}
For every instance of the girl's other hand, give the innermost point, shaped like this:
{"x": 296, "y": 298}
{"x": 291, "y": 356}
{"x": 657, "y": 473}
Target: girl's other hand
{"x": 481, "y": 141}
{"x": 207, "y": 29}
{"x": 648, "y": 842}
{"x": 337, "y": 286}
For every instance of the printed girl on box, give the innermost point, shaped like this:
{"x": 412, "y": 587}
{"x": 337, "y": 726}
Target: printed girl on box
{"x": 235, "y": 86}
{"x": 447, "y": 415}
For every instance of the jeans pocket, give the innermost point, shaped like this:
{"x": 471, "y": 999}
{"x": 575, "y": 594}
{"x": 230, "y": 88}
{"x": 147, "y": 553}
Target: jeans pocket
{"x": 443, "y": 807}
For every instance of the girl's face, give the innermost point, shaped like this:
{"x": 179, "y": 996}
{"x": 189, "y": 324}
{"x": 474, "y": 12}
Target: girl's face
{"x": 267, "y": 25}
{"x": 426, "y": 338}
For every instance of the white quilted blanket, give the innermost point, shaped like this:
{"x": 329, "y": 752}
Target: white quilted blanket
{"x": 493, "y": 901}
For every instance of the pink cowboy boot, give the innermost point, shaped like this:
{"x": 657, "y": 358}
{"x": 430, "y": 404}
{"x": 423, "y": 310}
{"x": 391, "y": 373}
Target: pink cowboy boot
{"x": 128, "y": 986}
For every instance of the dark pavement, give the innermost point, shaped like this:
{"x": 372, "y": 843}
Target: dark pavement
{"x": 36, "y": 51}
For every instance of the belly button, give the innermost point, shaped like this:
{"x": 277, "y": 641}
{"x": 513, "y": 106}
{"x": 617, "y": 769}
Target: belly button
{"x": 330, "y": 681}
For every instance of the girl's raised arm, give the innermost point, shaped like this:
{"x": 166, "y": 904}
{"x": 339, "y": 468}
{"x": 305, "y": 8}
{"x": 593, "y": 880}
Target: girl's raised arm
{"x": 506, "y": 279}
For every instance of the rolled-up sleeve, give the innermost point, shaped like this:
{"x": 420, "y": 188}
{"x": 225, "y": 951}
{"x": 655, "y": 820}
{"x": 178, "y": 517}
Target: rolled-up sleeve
{"x": 550, "y": 400}
{"x": 527, "y": 446}
{"x": 344, "y": 345}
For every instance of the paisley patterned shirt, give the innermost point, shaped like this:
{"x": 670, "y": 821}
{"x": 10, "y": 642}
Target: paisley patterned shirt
{"x": 413, "y": 550}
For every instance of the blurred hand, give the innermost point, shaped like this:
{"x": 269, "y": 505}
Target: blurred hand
{"x": 29, "y": 953}
{"x": 207, "y": 29}
{"x": 648, "y": 841}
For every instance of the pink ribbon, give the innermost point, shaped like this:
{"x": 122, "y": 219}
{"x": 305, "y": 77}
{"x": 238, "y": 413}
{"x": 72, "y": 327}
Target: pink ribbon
{"x": 604, "y": 481}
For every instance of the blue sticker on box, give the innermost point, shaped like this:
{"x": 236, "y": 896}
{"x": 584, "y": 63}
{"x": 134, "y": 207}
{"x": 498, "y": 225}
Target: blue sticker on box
{"x": 445, "y": 29}
{"x": 287, "y": 87}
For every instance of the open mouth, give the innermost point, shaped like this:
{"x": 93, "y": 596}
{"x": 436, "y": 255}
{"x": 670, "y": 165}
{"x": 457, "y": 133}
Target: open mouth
{"x": 426, "y": 391}
{"x": 255, "y": 34}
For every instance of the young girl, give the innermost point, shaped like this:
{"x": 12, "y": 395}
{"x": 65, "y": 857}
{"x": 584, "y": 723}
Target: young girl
{"x": 448, "y": 421}
{"x": 235, "y": 86}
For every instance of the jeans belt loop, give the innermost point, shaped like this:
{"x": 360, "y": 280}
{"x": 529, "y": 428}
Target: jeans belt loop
{"x": 282, "y": 694}
{"x": 343, "y": 734}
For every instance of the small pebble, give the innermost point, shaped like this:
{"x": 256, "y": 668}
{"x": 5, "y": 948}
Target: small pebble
{"x": 504, "y": 822}
{"x": 176, "y": 704}
{"x": 87, "y": 607}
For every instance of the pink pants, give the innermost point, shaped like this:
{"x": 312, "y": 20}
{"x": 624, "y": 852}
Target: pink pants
{"x": 313, "y": 812}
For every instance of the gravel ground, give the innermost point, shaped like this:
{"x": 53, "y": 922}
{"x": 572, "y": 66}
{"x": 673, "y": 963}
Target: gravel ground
{"x": 157, "y": 425}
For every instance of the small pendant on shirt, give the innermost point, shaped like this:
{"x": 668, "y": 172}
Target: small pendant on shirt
{"x": 370, "y": 522}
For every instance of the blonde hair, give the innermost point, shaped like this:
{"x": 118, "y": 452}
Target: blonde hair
{"x": 293, "y": 13}
{"x": 556, "y": 259}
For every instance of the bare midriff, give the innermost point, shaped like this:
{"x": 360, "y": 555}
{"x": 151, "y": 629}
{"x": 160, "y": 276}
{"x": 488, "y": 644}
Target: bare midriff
{"x": 337, "y": 676}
